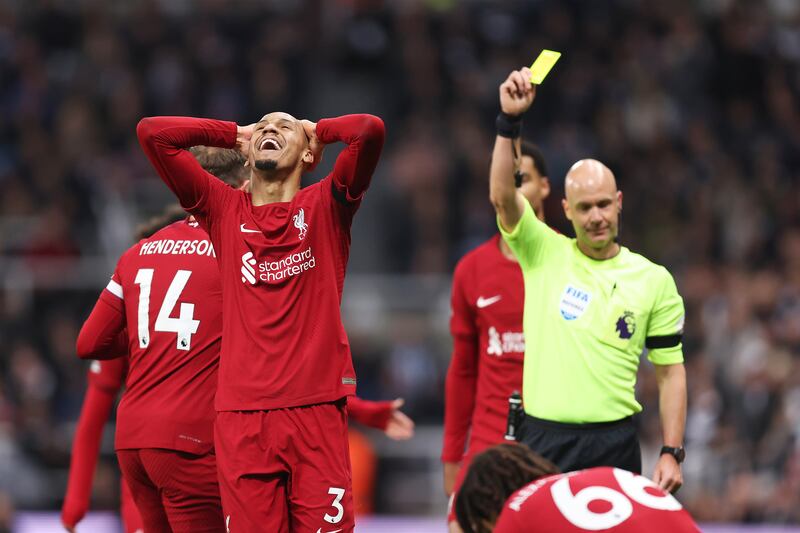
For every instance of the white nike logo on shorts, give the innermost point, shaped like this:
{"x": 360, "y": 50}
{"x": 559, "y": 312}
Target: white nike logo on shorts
{"x": 486, "y": 302}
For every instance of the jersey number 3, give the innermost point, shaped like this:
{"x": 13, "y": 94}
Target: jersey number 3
{"x": 185, "y": 325}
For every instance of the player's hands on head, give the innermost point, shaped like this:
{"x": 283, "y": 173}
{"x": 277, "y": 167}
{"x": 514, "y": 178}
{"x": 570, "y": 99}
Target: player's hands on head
{"x": 399, "y": 426}
{"x": 243, "y": 136}
{"x": 667, "y": 474}
{"x": 517, "y": 92}
{"x": 310, "y": 129}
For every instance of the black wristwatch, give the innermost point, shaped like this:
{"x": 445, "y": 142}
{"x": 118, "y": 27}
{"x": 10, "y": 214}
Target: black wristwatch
{"x": 678, "y": 453}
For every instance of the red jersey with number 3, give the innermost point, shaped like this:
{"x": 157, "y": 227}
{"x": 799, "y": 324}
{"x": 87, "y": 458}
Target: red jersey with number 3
{"x": 597, "y": 499}
{"x": 167, "y": 290}
{"x": 282, "y": 264}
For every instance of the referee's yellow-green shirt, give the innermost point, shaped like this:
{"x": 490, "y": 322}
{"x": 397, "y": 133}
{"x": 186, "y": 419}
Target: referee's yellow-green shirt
{"x": 586, "y": 323}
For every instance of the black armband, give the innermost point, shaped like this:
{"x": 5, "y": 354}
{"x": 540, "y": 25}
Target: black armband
{"x": 664, "y": 341}
{"x": 509, "y": 126}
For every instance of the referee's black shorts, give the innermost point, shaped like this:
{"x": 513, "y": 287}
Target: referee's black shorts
{"x": 577, "y": 446}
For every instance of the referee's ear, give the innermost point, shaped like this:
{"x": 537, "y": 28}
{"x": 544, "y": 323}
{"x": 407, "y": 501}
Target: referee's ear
{"x": 619, "y": 201}
{"x": 567, "y": 210}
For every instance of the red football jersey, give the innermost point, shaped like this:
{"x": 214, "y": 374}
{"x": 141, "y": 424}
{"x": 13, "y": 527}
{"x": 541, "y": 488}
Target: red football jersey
{"x": 282, "y": 264}
{"x": 166, "y": 289}
{"x": 597, "y": 499}
{"x": 486, "y": 325}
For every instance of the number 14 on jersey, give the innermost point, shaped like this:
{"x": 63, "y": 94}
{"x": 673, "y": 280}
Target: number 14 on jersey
{"x": 184, "y": 326}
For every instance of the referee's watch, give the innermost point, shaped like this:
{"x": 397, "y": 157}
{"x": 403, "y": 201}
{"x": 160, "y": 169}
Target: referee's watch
{"x": 678, "y": 453}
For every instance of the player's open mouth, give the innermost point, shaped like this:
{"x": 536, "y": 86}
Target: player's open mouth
{"x": 269, "y": 144}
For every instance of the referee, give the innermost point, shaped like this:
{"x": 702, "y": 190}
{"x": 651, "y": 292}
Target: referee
{"x": 591, "y": 307}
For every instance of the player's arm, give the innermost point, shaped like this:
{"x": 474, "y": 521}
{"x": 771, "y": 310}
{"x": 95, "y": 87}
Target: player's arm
{"x": 462, "y": 377}
{"x": 665, "y": 351}
{"x": 96, "y": 408}
{"x": 516, "y": 96}
{"x": 385, "y": 416}
{"x": 103, "y": 335}
{"x": 165, "y": 141}
{"x": 364, "y": 136}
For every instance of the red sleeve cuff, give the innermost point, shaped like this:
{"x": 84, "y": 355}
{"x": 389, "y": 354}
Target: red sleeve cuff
{"x": 373, "y": 414}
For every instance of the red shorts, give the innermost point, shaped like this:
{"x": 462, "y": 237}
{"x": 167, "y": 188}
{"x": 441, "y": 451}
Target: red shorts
{"x": 174, "y": 491}
{"x": 285, "y": 469}
{"x": 131, "y": 519}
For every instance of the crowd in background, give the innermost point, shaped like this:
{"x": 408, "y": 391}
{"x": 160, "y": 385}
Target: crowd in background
{"x": 695, "y": 106}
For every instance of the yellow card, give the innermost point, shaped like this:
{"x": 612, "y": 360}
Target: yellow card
{"x": 541, "y": 67}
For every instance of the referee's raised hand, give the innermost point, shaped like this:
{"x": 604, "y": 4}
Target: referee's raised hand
{"x": 517, "y": 92}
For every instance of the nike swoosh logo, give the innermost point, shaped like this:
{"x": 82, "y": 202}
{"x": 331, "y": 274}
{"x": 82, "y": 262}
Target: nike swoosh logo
{"x": 245, "y": 230}
{"x": 486, "y": 302}
{"x": 335, "y": 531}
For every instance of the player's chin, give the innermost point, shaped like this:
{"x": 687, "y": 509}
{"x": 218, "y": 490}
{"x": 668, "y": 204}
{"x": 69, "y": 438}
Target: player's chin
{"x": 266, "y": 164}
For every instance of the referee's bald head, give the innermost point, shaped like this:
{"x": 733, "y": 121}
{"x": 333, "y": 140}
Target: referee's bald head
{"x": 593, "y": 204}
{"x": 589, "y": 175}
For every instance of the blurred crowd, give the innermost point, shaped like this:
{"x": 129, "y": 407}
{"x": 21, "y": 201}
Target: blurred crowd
{"x": 694, "y": 104}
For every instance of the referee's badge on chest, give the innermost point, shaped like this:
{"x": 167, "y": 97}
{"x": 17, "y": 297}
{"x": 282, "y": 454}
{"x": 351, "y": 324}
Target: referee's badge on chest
{"x": 574, "y": 302}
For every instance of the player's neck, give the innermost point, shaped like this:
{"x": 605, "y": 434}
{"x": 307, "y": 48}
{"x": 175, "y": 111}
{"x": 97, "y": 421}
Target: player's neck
{"x": 506, "y": 251}
{"x": 601, "y": 254}
{"x": 270, "y": 188}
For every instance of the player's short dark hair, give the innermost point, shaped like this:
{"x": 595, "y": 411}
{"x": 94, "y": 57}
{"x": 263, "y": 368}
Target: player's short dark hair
{"x": 225, "y": 163}
{"x": 492, "y": 478}
{"x": 172, "y": 213}
{"x": 531, "y": 150}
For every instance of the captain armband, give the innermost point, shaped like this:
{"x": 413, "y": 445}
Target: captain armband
{"x": 663, "y": 341}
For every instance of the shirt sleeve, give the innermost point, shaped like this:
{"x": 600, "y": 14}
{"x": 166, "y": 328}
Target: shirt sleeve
{"x": 462, "y": 374}
{"x": 108, "y": 375}
{"x": 373, "y": 414}
{"x": 531, "y": 239}
{"x": 164, "y": 141}
{"x": 364, "y": 136}
{"x": 85, "y": 449}
{"x": 103, "y": 335}
{"x": 665, "y": 328}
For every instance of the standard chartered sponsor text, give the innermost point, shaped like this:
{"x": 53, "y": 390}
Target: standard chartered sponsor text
{"x": 178, "y": 247}
{"x": 291, "y": 265}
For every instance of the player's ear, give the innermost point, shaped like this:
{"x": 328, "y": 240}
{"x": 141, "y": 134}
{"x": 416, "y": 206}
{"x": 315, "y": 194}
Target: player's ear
{"x": 544, "y": 187}
{"x": 309, "y": 160}
{"x": 619, "y": 200}
{"x": 567, "y": 211}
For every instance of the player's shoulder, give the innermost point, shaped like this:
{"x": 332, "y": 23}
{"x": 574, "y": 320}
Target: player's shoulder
{"x": 488, "y": 250}
{"x": 186, "y": 227}
{"x": 647, "y": 266}
{"x": 316, "y": 188}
